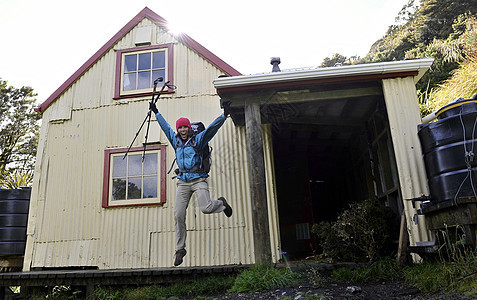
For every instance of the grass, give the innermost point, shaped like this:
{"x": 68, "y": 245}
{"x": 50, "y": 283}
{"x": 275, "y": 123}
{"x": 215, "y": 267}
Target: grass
{"x": 462, "y": 83}
{"x": 262, "y": 277}
{"x": 257, "y": 278}
{"x": 456, "y": 271}
{"x": 204, "y": 286}
{"x": 456, "y": 275}
{"x": 381, "y": 270}
{"x": 428, "y": 277}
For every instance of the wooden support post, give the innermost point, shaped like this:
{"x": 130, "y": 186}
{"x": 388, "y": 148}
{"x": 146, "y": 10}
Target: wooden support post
{"x": 403, "y": 240}
{"x": 261, "y": 231}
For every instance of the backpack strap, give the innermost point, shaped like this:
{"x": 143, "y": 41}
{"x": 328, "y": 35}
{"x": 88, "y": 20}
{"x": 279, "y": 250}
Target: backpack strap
{"x": 172, "y": 165}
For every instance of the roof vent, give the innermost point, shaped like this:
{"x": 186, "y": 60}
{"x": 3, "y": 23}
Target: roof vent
{"x": 143, "y": 36}
{"x": 275, "y": 61}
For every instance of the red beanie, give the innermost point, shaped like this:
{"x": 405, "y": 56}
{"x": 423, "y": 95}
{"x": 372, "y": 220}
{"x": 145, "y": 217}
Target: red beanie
{"x": 182, "y": 122}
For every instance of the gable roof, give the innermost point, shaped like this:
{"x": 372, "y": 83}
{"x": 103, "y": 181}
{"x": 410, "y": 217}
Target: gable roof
{"x": 145, "y": 13}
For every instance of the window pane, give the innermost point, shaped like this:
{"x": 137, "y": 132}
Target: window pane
{"x": 134, "y": 188}
{"x": 119, "y": 166}
{"x": 144, "y": 61}
{"x": 150, "y": 187}
{"x": 135, "y": 165}
{"x": 144, "y": 81}
{"x": 159, "y": 60}
{"x": 119, "y": 189}
{"x": 159, "y": 73}
{"x": 129, "y": 82}
{"x": 130, "y": 63}
{"x": 150, "y": 164}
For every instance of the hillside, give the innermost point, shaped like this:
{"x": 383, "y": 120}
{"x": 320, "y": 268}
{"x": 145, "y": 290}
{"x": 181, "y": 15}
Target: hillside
{"x": 443, "y": 29}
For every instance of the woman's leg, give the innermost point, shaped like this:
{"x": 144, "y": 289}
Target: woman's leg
{"x": 183, "y": 194}
{"x": 206, "y": 205}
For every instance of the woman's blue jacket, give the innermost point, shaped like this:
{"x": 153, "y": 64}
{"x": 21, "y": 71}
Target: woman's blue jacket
{"x": 186, "y": 156}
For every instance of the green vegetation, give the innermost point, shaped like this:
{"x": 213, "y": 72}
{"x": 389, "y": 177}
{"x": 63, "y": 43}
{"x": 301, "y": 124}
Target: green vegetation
{"x": 215, "y": 284}
{"x": 16, "y": 178}
{"x": 382, "y": 270}
{"x": 260, "y": 277}
{"x": 19, "y": 128}
{"x": 257, "y": 278}
{"x": 434, "y": 277}
{"x": 459, "y": 275}
{"x": 429, "y": 277}
{"x": 454, "y": 271}
{"x": 363, "y": 232}
{"x": 442, "y": 29}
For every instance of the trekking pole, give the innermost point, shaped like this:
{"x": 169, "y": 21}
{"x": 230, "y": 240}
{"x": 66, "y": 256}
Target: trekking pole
{"x": 149, "y": 113}
{"x": 148, "y": 116}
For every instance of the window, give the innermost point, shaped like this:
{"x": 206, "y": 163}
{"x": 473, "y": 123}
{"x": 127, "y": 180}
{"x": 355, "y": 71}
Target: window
{"x": 139, "y": 67}
{"x": 302, "y": 231}
{"x": 132, "y": 179}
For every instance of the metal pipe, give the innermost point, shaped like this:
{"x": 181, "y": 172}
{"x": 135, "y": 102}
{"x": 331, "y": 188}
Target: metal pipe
{"x": 430, "y": 117}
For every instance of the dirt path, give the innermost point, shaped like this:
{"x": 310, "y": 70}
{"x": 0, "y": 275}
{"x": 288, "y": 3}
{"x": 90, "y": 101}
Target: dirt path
{"x": 381, "y": 291}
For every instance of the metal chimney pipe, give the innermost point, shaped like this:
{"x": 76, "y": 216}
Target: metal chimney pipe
{"x": 275, "y": 61}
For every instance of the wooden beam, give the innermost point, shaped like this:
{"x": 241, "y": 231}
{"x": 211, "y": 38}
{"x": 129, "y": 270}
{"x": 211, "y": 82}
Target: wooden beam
{"x": 355, "y": 124}
{"x": 306, "y": 96}
{"x": 298, "y": 96}
{"x": 261, "y": 231}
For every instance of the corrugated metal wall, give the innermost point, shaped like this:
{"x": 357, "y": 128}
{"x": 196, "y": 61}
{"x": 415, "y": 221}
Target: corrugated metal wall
{"x": 69, "y": 227}
{"x": 403, "y": 113}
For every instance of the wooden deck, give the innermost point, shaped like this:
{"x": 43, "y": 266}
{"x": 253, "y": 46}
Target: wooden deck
{"x": 91, "y": 278}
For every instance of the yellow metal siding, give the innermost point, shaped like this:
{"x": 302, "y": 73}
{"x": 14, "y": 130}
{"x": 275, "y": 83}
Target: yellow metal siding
{"x": 404, "y": 116}
{"x": 72, "y": 212}
{"x": 69, "y": 227}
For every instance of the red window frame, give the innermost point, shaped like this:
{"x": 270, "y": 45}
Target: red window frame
{"x": 119, "y": 67}
{"x": 162, "y": 174}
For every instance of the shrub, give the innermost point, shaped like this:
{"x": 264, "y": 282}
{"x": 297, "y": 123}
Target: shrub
{"x": 361, "y": 232}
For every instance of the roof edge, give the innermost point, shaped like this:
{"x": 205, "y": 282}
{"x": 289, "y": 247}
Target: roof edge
{"x": 144, "y": 13}
{"x": 207, "y": 55}
{"x": 419, "y": 65}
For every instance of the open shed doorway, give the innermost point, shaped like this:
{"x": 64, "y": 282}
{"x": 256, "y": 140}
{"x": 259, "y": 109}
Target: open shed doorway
{"x": 333, "y": 148}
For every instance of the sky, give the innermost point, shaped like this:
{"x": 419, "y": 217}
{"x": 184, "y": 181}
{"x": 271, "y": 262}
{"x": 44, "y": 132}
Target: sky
{"x": 43, "y": 42}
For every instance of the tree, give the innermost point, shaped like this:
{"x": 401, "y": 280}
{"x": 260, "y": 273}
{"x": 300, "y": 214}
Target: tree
{"x": 437, "y": 18}
{"x": 338, "y": 60}
{"x": 19, "y": 128}
{"x": 407, "y": 13}
{"x": 433, "y": 19}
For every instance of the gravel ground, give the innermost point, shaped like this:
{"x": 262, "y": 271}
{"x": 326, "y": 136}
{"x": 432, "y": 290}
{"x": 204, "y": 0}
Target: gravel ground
{"x": 379, "y": 290}
{"x": 374, "y": 290}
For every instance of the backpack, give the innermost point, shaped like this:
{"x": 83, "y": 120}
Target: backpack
{"x": 204, "y": 155}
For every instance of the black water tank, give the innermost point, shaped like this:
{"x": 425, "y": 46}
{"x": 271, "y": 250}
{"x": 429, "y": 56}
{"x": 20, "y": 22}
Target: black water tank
{"x": 450, "y": 151}
{"x": 14, "y": 205}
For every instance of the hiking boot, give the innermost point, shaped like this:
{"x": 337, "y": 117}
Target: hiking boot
{"x": 179, "y": 256}
{"x": 228, "y": 209}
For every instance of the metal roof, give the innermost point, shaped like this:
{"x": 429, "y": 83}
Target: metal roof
{"x": 383, "y": 69}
